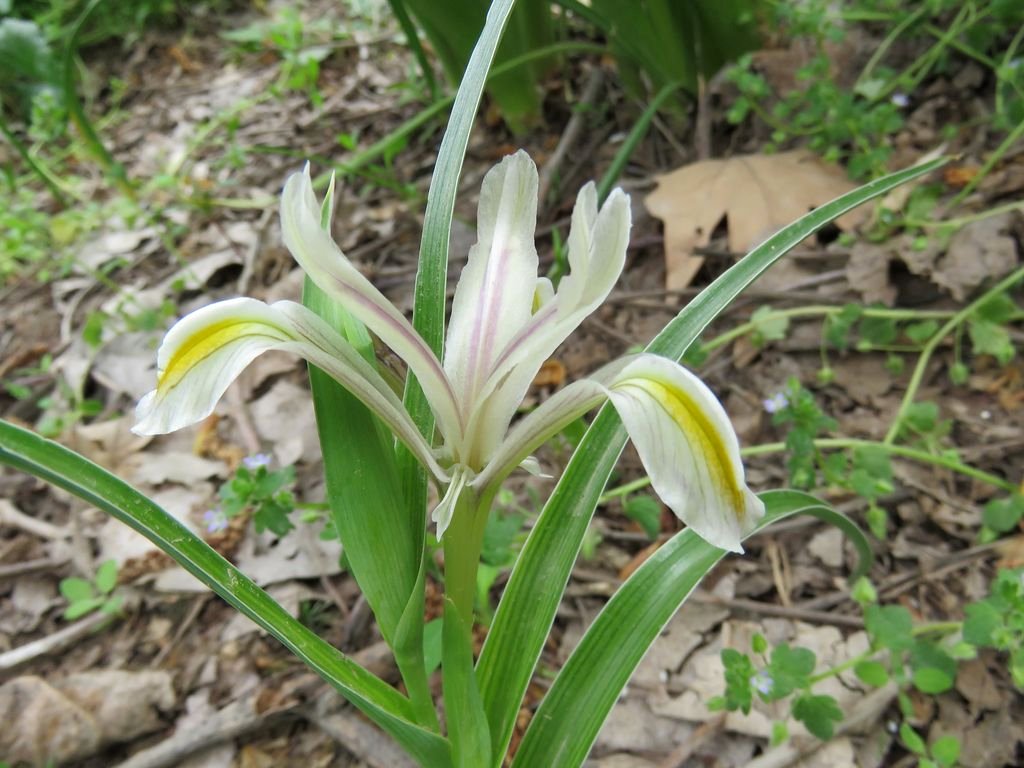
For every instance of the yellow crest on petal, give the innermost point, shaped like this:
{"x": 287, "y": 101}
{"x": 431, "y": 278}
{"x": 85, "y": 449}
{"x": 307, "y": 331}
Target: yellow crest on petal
{"x": 692, "y": 420}
{"x": 204, "y": 342}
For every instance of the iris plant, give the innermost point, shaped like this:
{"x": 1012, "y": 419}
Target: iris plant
{"x": 505, "y": 322}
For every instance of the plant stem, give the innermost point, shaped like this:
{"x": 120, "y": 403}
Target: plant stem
{"x": 842, "y": 443}
{"x": 891, "y": 38}
{"x": 994, "y": 158}
{"x": 895, "y": 450}
{"x": 959, "y": 222}
{"x": 938, "y": 627}
{"x": 76, "y": 111}
{"x": 462, "y": 544}
{"x": 821, "y": 310}
{"x": 932, "y": 344}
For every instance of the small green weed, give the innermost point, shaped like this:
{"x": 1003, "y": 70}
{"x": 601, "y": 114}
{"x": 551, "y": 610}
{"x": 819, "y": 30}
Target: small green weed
{"x": 254, "y": 487}
{"x": 85, "y": 596}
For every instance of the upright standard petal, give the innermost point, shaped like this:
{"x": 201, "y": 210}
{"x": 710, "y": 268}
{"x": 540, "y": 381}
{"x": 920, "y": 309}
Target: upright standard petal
{"x": 206, "y": 350}
{"x": 495, "y": 294}
{"x": 321, "y": 259}
{"x": 597, "y": 253}
{"x": 688, "y": 447}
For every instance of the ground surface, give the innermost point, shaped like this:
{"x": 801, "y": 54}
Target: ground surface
{"x": 195, "y": 685}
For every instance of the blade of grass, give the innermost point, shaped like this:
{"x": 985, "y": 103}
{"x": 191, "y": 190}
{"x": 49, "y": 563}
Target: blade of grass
{"x": 636, "y": 135}
{"x": 111, "y": 167}
{"x": 541, "y": 572}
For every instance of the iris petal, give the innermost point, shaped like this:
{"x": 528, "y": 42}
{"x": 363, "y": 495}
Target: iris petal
{"x": 688, "y": 448}
{"x": 206, "y": 350}
{"x": 335, "y": 275}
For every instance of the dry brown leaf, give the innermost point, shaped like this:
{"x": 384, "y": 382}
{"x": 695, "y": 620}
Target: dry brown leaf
{"x": 756, "y": 194}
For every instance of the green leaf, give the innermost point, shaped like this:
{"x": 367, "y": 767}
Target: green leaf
{"x": 780, "y": 733}
{"x": 878, "y": 331}
{"x": 363, "y": 487}
{"x": 922, "y": 418}
{"x": 931, "y": 680}
{"x": 981, "y": 622}
{"x": 912, "y": 740}
{"x": 646, "y": 511}
{"x": 872, "y": 672}
{"x": 272, "y": 517}
{"x": 432, "y": 638}
{"x": 934, "y": 670}
{"x": 758, "y": 643}
{"x": 989, "y": 338}
{"x": 999, "y": 309}
{"x": 113, "y": 604}
{"x": 890, "y": 626}
{"x": 588, "y": 685}
{"x": 839, "y": 326}
{"x": 92, "y": 331}
{"x": 946, "y": 751}
{"x": 739, "y": 669}
{"x": 535, "y": 587}
{"x": 766, "y": 327}
{"x": 77, "y": 590}
{"x": 790, "y": 669}
{"x": 920, "y": 332}
{"x": 54, "y": 463}
{"x": 818, "y": 713}
{"x": 78, "y": 609}
{"x": 106, "y": 577}
{"x": 1003, "y": 515}
{"x": 25, "y": 57}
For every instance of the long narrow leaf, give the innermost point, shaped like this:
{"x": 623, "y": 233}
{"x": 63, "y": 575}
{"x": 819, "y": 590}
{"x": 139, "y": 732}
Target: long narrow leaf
{"x": 570, "y": 717}
{"x": 27, "y": 451}
{"x": 538, "y": 579}
{"x": 432, "y": 274}
{"x": 364, "y": 491}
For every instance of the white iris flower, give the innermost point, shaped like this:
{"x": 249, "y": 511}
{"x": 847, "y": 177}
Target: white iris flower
{"x": 505, "y": 322}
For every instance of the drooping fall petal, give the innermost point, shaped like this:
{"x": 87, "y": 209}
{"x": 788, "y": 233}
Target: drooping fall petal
{"x": 688, "y": 448}
{"x": 206, "y": 350}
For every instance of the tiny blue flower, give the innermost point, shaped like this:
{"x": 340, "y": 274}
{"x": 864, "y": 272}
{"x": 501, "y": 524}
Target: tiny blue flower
{"x": 776, "y": 402}
{"x": 215, "y": 520}
{"x": 901, "y": 100}
{"x": 256, "y": 461}
{"x": 763, "y": 682}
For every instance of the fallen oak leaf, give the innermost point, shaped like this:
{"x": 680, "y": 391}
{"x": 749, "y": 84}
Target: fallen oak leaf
{"x": 756, "y": 194}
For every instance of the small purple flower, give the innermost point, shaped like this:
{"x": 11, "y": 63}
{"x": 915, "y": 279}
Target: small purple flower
{"x": 901, "y": 100}
{"x": 763, "y": 682}
{"x": 256, "y": 461}
{"x": 776, "y": 402}
{"x": 215, "y": 520}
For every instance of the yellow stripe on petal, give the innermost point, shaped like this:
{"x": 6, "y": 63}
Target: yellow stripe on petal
{"x": 690, "y": 417}
{"x": 207, "y": 340}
